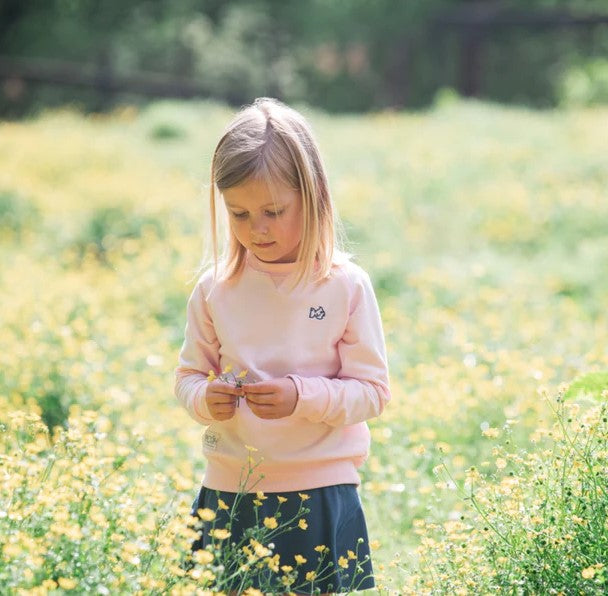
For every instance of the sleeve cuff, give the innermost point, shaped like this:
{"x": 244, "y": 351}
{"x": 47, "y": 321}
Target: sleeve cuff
{"x": 313, "y": 397}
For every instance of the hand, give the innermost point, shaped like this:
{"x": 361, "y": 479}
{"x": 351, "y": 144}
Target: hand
{"x": 221, "y": 399}
{"x": 276, "y": 398}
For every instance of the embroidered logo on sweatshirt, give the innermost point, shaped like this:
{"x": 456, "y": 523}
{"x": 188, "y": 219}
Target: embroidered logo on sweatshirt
{"x": 210, "y": 439}
{"x": 316, "y": 313}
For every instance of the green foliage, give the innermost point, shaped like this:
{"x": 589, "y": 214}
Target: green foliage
{"x": 585, "y": 84}
{"x": 538, "y": 524}
{"x": 342, "y": 56}
{"x": 592, "y": 385}
{"x": 17, "y": 214}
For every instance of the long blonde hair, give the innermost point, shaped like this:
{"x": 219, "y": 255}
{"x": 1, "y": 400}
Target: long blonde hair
{"x": 270, "y": 141}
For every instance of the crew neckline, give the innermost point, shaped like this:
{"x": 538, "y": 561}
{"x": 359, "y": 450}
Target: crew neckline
{"x": 276, "y": 268}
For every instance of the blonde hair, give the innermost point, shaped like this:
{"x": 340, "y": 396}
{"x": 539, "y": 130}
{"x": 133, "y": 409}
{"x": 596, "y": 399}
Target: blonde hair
{"x": 272, "y": 142}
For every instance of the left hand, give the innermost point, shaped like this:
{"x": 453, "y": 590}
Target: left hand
{"x": 275, "y": 398}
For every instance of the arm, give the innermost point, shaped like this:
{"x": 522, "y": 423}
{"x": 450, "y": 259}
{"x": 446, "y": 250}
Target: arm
{"x": 361, "y": 387}
{"x": 199, "y": 354}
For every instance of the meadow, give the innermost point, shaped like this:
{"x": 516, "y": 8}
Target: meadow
{"x": 485, "y": 232}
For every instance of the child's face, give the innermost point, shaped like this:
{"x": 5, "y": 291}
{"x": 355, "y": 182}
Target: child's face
{"x": 271, "y": 230}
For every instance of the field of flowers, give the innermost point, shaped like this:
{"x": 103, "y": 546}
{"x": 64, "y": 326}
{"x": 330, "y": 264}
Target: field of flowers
{"x": 485, "y": 232}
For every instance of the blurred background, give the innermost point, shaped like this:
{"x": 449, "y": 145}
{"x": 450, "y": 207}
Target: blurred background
{"x": 355, "y": 55}
{"x": 465, "y": 144}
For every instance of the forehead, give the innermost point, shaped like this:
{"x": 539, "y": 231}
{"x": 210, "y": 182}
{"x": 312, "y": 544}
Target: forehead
{"x": 256, "y": 193}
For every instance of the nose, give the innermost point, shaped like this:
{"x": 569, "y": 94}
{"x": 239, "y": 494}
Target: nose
{"x": 258, "y": 226}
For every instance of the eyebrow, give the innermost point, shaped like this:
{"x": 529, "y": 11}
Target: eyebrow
{"x": 277, "y": 205}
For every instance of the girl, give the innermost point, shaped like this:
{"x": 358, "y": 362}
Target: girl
{"x": 285, "y": 304}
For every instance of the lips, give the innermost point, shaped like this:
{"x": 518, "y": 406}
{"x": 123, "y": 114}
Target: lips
{"x": 263, "y": 245}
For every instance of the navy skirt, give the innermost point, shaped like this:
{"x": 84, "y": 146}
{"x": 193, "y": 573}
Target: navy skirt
{"x": 320, "y": 538}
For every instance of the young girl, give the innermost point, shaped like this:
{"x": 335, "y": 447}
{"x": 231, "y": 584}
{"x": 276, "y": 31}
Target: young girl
{"x": 286, "y": 305}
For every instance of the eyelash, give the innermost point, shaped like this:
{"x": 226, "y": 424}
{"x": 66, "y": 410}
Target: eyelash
{"x": 268, "y": 213}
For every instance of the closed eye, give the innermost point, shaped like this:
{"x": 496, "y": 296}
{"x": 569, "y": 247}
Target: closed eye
{"x": 242, "y": 215}
{"x": 274, "y": 213}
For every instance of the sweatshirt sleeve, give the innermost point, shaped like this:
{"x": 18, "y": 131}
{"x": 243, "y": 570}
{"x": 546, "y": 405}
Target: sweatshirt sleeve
{"x": 199, "y": 354}
{"x": 361, "y": 387}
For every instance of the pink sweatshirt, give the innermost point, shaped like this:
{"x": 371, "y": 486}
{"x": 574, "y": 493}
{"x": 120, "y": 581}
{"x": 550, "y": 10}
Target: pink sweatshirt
{"x": 327, "y": 337}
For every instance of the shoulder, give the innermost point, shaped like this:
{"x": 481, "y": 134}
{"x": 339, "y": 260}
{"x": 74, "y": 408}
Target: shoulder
{"x": 345, "y": 268}
{"x": 206, "y": 283}
{"x": 356, "y": 280}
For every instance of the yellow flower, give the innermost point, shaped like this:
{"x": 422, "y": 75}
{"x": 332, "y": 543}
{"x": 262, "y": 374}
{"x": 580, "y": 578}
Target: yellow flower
{"x": 286, "y": 568}
{"x": 219, "y": 533}
{"x": 281, "y": 499}
{"x": 320, "y": 548}
{"x": 206, "y": 514}
{"x": 587, "y": 573}
{"x": 491, "y": 432}
{"x": 273, "y": 563}
{"x": 300, "y": 560}
{"x": 222, "y": 505}
{"x": 66, "y": 584}
{"x": 260, "y": 495}
{"x": 270, "y": 523}
{"x": 250, "y": 448}
{"x": 211, "y": 376}
{"x": 501, "y": 463}
{"x": 374, "y": 544}
{"x": 227, "y": 369}
{"x": 242, "y": 374}
{"x": 203, "y": 557}
{"x": 304, "y": 496}
{"x": 252, "y": 592}
{"x": 343, "y": 562}
{"x": 257, "y": 502}
{"x": 351, "y": 554}
{"x": 303, "y": 525}
{"x": 310, "y": 576}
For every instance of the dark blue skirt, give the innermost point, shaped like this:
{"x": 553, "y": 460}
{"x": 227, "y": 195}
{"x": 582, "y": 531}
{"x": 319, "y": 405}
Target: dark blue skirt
{"x": 326, "y": 552}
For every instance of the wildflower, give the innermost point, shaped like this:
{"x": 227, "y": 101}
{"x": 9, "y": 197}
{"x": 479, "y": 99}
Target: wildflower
{"x": 252, "y": 592}
{"x": 211, "y": 376}
{"x": 270, "y": 522}
{"x": 281, "y": 499}
{"x": 310, "y": 576}
{"x": 66, "y": 583}
{"x": 286, "y": 568}
{"x": 588, "y": 573}
{"x": 374, "y": 544}
{"x": 250, "y": 448}
{"x": 203, "y": 557}
{"x": 260, "y": 549}
{"x": 206, "y": 514}
{"x": 501, "y": 463}
{"x": 227, "y": 369}
{"x": 321, "y": 548}
{"x": 222, "y": 505}
{"x": 273, "y": 563}
{"x": 302, "y": 524}
{"x": 219, "y": 533}
{"x": 304, "y": 496}
{"x": 300, "y": 560}
{"x": 242, "y": 374}
{"x": 491, "y": 432}
{"x": 343, "y": 562}
{"x": 351, "y": 554}
{"x": 260, "y": 495}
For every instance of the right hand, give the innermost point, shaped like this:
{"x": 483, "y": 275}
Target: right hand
{"x": 221, "y": 399}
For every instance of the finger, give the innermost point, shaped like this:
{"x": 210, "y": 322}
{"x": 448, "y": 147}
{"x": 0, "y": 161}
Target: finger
{"x": 224, "y": 410}
{"x": 261, "y": 408}
{"x": 227, "y": 388}
{"x": 260, "y": 400}
{"x": 259, "y": 387}
{"x": 221, "y": 398}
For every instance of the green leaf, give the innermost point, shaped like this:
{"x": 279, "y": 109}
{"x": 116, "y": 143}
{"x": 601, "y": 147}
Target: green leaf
{"x": 589, "y": 385}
